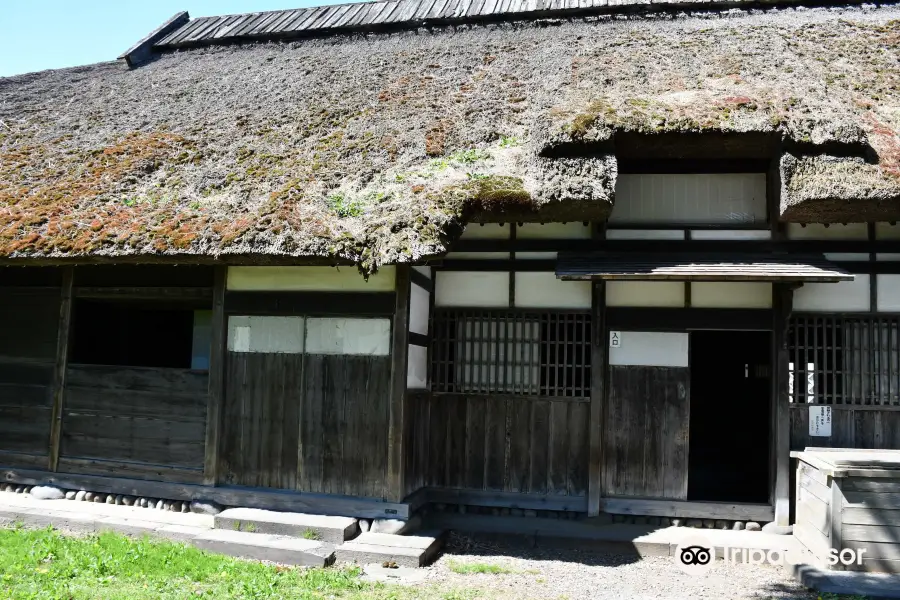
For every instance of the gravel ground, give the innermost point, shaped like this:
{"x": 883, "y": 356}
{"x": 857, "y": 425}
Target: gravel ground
{"x": 551, "y": 574}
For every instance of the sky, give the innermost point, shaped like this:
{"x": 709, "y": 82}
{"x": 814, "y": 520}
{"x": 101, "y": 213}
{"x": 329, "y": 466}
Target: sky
{"x": 53, "y": 34}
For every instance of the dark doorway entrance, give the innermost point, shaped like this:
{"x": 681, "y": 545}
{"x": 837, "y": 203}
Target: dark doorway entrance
{"x": 729, "y": 422}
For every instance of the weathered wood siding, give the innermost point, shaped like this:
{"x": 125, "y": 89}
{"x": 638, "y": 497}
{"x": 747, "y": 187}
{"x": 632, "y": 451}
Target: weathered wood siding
{"x": 646, "y": 434}
{"x": 851, "y": 427}
{"x": 501, "y": 444}
{"x": 315, "y": 423}
{"x": 140, "y": 422}
{"x": 27, "y": 355}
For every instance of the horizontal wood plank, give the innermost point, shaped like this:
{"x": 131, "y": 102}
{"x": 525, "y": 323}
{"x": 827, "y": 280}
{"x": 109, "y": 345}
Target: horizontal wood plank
{"x": 871, "y": 516}
{"x": 228, "y": 496}
{"x": 871, "y": 533}
{"x": 25, "y": 395}
{"x": 24, "y": 429}
{"x": 814, "y": 512}
{"x": 114, "y": 468}
{"x": 24, "y": 460}
{"x": 137, "y": 379}
{"x": 25, "y": 372}
{"x": 136, "y": 403}
{"x": 686, "y": 509}
{"x": 887, "y": 500}
{"x": 507, "y": 499}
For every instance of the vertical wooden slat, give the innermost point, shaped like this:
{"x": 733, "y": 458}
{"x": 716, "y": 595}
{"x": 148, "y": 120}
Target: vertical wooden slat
{"x": 782, "y": 308}
{"x": 59, "y": 369}
{"x": 598, "y": 391}
{"x": 216, "y": 395}
{"x": 399, "y": 350}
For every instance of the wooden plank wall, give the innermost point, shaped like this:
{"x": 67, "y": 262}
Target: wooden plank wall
{"x": 646, "y": 437}
{"x": 851, "y": 427}
{"x": 501, "y": 444}
{"x": 27, "y": 356}
{"x": 139, "y": 422}
{"x": 313, "y": 423}
{"x": 870, "y": 519}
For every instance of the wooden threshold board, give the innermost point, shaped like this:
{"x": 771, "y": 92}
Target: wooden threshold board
{"x": 735, "y": 511}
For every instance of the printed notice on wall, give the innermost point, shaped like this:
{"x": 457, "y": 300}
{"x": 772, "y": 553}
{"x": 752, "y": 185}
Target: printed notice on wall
{"x": 820, "y": 421}
{"x": 615, "y": 339}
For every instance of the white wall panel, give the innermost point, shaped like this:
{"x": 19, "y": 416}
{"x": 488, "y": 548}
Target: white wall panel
{"x": 426, "y": 271}
{"x": 553, "y": 231}
{"x": 418, "y": 309}
{"x": 645, "y": 293}
{"x": 690, "y": 198}
{"x": 477, "y": 255}
{"x": 486, "y": 231}
{"x": 371, "y": 337}
{"x": 835, "y": 231}
{"x": 417, "y": 368}
{"x": 731, "y": 234}
{"x": 202, "y": 339}
{"x": 729, "y": 294}
{"x": 544, "y": 290}
{"x": 303, "y": 279}
{"x": 886, "y": 231}
{"x": 535, "y": 255}
{"x": 651, "y": 349}
{"x": 888, "y": 296}
{"x": 644, "y": 234}
{"x": 265, "y": 334}
{"x": 847, "y": 256}
{"x": 471, "y": 288}
{"x": 826, "y": 297}
{"x": 888, "y": 257}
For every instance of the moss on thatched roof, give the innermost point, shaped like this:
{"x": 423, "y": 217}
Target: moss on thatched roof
{"x": 378, "y": 149}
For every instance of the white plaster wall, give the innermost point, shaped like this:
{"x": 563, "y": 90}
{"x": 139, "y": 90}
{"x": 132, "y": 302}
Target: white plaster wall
{"x": 535, "y": 255}
{"x": 417, "y": 368}
{"x": 265, "y": 334}
{"x": 841, "y": 296}
{"x": 486, "y": 231}
{"x": 651, "y": 349}
{"x": 886, "y": 231}
{"x": 835, "y": 231}
{"x": 645, "y": 234}
{"x": 553, "y": 231}
{"x": 645, "y": 293}
{"x": 731, "y": 234}
{"x": 887, "y": 257}
{"x": 303, "y": 279}
{"x": 471, "y": 288}
{"x": 690, "y": 198}
{"x": 888, "y": 295}
{"x": 729, "y": 294}
{"x": 478, "y": 255}
{"x": 851, "y": 256}
{"x": 202, "y": 339}
{"x": 544, "y": 290}
{"x": 426, "y": 271}
{"x": 370, "y": 337}
{"x": 418, "y": 310}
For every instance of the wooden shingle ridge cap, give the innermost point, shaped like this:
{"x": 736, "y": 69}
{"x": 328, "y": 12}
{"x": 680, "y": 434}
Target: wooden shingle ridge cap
{"x": 406, "y": 14}
{"x": 142, "y": 50}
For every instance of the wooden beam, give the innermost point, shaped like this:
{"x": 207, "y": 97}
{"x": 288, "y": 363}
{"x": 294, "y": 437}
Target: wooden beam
{"x": 144, "y": 293}
{"x": 688, "y": 510}
{"x": 319, "y": 303}
{"x": 396, "y": 488}
{"x": 598, "y": 397}
{"x": 216, "y": 390}
{"x": 679, "y": 319}
{"x": 500, "y": 499}
{"x": 59, "y": 369}
{"x": 292, "y": 501}
{"x": 782, "y": 306}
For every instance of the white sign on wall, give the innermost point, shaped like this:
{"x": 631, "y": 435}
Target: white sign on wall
{"x": 615, "y": 339}
{"x": 820, "y": 421}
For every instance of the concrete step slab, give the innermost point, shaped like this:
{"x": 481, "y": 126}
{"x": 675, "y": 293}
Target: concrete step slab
{"x": 261, "y": 546}
{"x": 333, "y": 530}
{"x": 378, "y": 548}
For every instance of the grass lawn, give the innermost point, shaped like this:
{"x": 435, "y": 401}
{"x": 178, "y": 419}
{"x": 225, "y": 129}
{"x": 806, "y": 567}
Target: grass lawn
{"x": 45, "y": 565}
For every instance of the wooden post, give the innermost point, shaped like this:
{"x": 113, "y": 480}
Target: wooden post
{"x": 59, "y": 369}
{"x": 781, "y": 417}
{"x": 399, "y": 351}
{"x": 216, "y": 388}
{"x": 599, "y": 370}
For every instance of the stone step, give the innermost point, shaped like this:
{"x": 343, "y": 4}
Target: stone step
{"x": 333, "y": 530}
{"x": 262, "y": 546}
{"x": 404, "y": 550}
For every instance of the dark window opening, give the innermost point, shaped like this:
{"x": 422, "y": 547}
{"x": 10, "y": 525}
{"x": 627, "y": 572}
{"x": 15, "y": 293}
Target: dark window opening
{"x": 519, "y": 353}
{"x": 844, "y": 360}
{"x": 131, "y": 334}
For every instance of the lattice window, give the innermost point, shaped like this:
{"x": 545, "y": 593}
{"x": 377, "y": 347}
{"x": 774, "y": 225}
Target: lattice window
{"x": 845, "y": 360}
{"x": 511, "y": 352}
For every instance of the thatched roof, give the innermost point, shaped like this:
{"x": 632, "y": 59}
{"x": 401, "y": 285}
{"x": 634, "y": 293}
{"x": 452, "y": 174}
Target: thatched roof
{"x": 377, "y": 148}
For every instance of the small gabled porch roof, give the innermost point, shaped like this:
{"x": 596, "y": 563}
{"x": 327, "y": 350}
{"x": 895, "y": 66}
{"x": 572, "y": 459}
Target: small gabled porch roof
{"x": 699, "y": 267}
